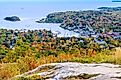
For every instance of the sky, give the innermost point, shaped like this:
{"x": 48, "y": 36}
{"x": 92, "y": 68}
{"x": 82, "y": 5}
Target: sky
{"x": 59, "y": 0}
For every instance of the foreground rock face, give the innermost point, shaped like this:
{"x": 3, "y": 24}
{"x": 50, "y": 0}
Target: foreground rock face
{"x": 13, "y": 18}
{"x": 76, "y": 71}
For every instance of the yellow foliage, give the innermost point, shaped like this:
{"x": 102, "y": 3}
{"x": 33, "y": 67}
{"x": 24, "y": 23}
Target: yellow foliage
{"x": 9, "y": 70}
{"x": 117, "y": 55}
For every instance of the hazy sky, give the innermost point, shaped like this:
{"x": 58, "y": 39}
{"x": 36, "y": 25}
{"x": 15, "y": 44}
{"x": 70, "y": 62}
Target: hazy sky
{"x": 60, "y": 0}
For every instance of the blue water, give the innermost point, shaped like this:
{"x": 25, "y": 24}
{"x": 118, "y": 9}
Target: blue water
{"x": 30, "y": 11}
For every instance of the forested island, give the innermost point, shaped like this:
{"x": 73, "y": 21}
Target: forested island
{"x": 99, "y": 41}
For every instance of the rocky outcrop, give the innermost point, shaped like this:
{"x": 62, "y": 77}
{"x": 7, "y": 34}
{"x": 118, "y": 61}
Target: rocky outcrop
{"x": 13, "y": 18}
{"x": 74, "y": 71}
{"x": 41, "y": 21}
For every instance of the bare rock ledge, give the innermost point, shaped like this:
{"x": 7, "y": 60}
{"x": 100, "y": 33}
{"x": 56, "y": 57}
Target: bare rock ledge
{"x": 76, "y": 71}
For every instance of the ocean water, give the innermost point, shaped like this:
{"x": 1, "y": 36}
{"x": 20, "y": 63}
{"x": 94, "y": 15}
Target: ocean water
{"x": 30, "y": 11}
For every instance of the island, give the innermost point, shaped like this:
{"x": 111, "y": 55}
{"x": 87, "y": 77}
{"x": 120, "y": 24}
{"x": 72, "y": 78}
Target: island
{"x": 13, "y": 18}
